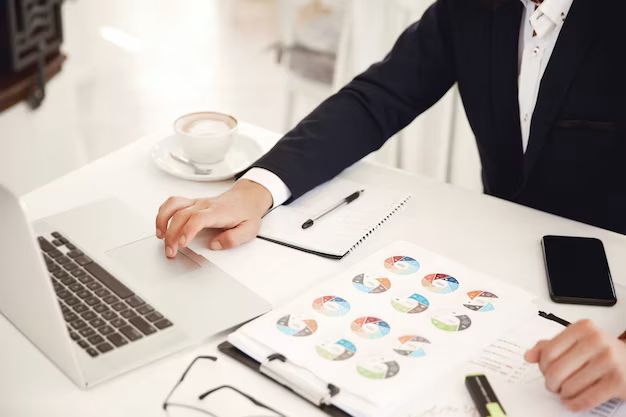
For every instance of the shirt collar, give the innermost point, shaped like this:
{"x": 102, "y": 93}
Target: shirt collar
{"x": 549, "y": 14}
{"x": 555, "y": 9}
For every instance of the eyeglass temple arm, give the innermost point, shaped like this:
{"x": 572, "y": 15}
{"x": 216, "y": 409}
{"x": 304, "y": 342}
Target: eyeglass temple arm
{"x": 252, "y": 399}
{"x": 182, "y": 378}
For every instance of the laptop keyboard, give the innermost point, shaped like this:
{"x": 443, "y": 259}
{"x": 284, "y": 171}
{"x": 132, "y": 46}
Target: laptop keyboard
{"x": 101, "y": 313}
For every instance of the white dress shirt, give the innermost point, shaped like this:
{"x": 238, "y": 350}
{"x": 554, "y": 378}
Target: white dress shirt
{"x": 277, "y": 188}
{"x": 540, "y": 30}
{"x": 538, "y": 35}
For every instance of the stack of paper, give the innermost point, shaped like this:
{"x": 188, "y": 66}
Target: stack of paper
{"x": 387, "y": 329}
{"x": 520, "y": 386}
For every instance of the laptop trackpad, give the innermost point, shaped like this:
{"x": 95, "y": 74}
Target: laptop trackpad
{"x": 146, "y": 260}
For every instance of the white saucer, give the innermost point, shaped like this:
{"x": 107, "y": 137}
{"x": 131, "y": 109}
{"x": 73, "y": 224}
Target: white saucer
{"x": 241, "y": 155}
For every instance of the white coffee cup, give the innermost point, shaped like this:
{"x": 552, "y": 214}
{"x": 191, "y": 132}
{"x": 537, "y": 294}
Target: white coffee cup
{"x": 206, "y": 137}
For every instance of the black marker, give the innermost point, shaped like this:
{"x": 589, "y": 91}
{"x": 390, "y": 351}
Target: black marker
{"x": 330, "y": 209}
{"x": 484, "y": 398}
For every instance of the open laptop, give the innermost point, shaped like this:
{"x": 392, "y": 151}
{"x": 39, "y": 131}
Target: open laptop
{"x": 91, "y": 288}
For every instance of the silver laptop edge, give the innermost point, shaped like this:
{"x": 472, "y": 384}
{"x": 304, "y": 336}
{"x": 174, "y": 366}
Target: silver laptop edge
{"x": 191, "y": 292}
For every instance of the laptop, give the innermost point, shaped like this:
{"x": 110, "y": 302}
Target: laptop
{"x": 92, "y": 289}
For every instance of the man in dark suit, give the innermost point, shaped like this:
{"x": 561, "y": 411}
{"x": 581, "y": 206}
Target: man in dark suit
{"x": 543, "y": 84}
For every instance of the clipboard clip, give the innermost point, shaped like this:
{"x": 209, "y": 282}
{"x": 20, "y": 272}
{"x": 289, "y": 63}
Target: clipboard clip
{"x": 298, "y": 379}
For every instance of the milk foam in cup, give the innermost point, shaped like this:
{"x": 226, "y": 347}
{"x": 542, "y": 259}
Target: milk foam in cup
{"x": 206, "y": 137}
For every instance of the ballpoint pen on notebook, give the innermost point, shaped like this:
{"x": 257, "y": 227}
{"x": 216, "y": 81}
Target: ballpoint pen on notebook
{"x": 332, "y": 208}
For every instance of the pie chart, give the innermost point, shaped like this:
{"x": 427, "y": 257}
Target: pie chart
{"x": 370, "y": 327}
{"x": 378, "y": 367}
{"x": 481, "y": 301}
{"x": 371, "y": 285}
{"x": 440, "y": 283}
{"x": 412, "y": 346}
{"x": 340, "y": 350}
{"x": 331, "y": 306}
{"x": 413, "y": 304}
{"x": 295, "y": 326}
{"x": 402, "y": 265}
{"x": 451, "y": 320}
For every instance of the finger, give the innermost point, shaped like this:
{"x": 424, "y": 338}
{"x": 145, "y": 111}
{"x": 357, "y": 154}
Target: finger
{"x": 534, "y": 354}
{"x": 586, "y": 376}
{"x": 167, "y": 210}
{"x": 596, "y": 394}
{"x": 201, "y": 220}
{"x": 173, "y": 230}
{"x": 231, "y": 238}
{"x": 563, "y": 342}
{"x": 568, "y": 363}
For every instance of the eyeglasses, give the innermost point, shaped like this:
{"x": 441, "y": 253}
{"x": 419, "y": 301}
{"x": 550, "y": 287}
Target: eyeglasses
{"x": 167, "y": 404}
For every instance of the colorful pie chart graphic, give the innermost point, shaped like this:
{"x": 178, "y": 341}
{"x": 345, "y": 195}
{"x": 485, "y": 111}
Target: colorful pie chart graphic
{"x": 451, "y": 320}
{"x": 370, "y": 327}
{"x": 371, "y": 285}
{"x": 378, "y": 367}
{"x": 412, "y": 346}
{"x": 336, "y": 351}
{"x": 482, "y": 301}
{"x": 440, "y": 283}
{"x": 413, "y": 304}
{"x": 292, "y": 325}
{"x": 331, "y": 306}
{"x": 402, "y": 265}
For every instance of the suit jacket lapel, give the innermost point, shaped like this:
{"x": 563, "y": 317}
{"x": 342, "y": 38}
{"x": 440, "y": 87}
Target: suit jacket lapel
{"x": 504, "y": 73}
{"x": 577, "y": 35}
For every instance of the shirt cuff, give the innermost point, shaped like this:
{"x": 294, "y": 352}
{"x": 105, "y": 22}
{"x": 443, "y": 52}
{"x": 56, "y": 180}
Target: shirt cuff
{"x": 277, "y": 188}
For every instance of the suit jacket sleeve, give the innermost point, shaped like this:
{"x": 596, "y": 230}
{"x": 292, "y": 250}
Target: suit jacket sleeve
{"x": 370, "y": 109}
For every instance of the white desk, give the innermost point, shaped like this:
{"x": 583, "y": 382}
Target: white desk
{"x": 488, "y": 234}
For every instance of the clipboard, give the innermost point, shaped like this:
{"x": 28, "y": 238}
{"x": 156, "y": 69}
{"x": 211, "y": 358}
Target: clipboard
{"x": 320, "y": 402}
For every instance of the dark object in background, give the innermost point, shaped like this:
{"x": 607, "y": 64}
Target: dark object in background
{"x": 578, "y": 271}
{"x": 30, "y": 38}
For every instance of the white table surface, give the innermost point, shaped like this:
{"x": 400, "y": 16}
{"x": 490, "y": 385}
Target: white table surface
{"x": 488, "y": 234}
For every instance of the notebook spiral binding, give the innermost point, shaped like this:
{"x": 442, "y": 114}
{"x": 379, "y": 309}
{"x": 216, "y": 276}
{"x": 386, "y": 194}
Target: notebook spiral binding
{"x": 399, "y": 207}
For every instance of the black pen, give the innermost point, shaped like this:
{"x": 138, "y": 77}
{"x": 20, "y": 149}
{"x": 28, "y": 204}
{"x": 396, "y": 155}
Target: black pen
{"x": 554, "y": 318}
{"x": 349, "y": 199}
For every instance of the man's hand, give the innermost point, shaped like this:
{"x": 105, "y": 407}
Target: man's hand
{"x": 584, "y": 365}
{"x": 238, "y": 210}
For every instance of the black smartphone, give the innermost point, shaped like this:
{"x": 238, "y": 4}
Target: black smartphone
{"x": 578, "y": 271}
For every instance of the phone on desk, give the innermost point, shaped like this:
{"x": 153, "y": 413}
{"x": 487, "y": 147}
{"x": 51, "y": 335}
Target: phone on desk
{"x": 578, "y": 271}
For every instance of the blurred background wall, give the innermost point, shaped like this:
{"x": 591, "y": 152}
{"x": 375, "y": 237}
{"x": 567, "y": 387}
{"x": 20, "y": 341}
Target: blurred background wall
{"x": 135, "y": 65}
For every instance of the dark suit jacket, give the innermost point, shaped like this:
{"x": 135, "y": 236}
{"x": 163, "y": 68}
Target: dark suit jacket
{"x": 575, "y": 164}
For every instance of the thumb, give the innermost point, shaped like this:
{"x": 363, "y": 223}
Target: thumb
{"x": 534, "y": 354}
{"x": 242, "y": 233}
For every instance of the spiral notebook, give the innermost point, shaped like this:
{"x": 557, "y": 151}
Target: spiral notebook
{"x": 341, "y": 231}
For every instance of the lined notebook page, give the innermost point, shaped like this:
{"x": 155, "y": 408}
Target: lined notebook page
{"x": 340, "y": 231}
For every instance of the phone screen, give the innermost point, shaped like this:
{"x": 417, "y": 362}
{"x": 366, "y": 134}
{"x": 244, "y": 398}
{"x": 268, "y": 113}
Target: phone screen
{"x": 578, "y": 271}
